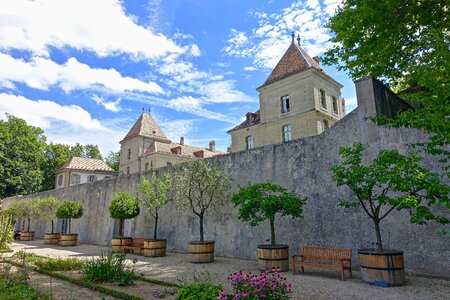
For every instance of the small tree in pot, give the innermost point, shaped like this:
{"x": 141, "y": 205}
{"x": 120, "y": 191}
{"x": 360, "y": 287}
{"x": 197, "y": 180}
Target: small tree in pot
{"x": 69, "y": 210}
{"x": 200, "y": 186}
{"x": 25, "y": 209}
{"x": 153, "y": 195}
{"x": 47, "y": 208}
{"x": 260, "y": 202}
{"x": 392, "y": 181}
{"x": 123, "y": 206}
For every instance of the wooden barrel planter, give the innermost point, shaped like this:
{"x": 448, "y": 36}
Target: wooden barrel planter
{"x": 155, "y": 248}
{"x": 384, "y": 268}
{"x": 273, "y": 257}
{"x": 67, "y": 240}
{"x": 117, "y": 243}
{"x": 201, "y": 252}
{"x": 27, "y": 236}
{"x": 52, "y": 238}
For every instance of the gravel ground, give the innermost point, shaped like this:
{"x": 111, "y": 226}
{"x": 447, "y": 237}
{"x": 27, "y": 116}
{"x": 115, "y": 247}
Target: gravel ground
{"x": 315, "y": 284}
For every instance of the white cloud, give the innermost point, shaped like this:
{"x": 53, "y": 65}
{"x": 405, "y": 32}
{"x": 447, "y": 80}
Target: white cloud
{"x": 42, "y": 73}
{"x": 101, "y": 26}
{"x": 236, "y": 44}
{"x": 250, "y": 69}
{"x": 108, "y": 105}
{"x": 222, "y": 92}
{"x": 43, "y": 113}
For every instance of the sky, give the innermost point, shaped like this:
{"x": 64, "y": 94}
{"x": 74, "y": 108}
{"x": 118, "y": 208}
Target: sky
{"x": 84, "y": 70}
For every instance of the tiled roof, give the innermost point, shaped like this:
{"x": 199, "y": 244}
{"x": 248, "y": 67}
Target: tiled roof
{"x": 255, "y": 119}
{"x": 294, "y": 60}
{"x": 86, "y": 164}
{"x": 147, "y": 127}
{"x": 186, "y": 150}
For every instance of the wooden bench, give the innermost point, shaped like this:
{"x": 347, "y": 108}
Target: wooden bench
{"x": 136, "y": 247}
{"x": 324, "y": 257}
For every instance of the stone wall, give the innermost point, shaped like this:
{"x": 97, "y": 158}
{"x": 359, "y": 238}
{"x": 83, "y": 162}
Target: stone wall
{"x": 302, "y": 166}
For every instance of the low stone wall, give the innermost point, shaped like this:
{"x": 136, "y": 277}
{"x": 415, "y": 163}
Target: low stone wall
{"x": 302, "y": 166}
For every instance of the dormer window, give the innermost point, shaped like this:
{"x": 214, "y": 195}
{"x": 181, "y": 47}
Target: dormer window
{"x": 323, "y": 99}
{"x": 199, "y": 154}
{"x": 176, "y": 150}
{"x": 249, "y": 119}
{"x": 285, "y": 106}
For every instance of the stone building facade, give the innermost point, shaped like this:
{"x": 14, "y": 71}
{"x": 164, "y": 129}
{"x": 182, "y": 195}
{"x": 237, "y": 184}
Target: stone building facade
{"x": 297, "y": 100}
{"x": 146, "y": 147}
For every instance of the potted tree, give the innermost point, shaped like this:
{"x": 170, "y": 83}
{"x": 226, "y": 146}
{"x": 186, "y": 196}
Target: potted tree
{"x": 200, "y": 186}
{"x": 260, "y": 202}
{"x": 25, "y": 210}
{"x": 392, "y": 181}
{"x": 122, "y": 207}
{"x": 47, "y": 213}
{"x": 69, "y": 210}
{"x": 153, "y": 195}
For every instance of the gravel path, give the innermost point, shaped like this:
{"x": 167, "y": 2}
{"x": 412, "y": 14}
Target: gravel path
{"x": 315, "y": 284}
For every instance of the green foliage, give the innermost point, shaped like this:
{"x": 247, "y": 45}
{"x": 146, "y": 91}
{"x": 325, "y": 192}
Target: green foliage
{"x": 109, "y": 267}
{"x": 406, "y": 44}
{"x": 59, "y": 264}
{"x": 154, "y": 194}
{"x": 21, "y": 155}
{"x": 6, "y": 232}
{"x": 391, "y": 181}
{"x": 46, "y": 208}
{"x": 123, "y": 206}
{"x": 24, "y": 209}
{"x": 70, "y": 210}
{"x": 55, "y": 155}
{"x": 113, "y": 160}
{"x": 11, "y": 289}
{"x": 204, "y": 291}
{"x": 262, "y": 201}
{"x": 200, "y": 186}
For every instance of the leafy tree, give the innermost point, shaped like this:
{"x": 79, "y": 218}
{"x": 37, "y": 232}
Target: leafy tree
{"x": 76, "y": 151}
{"x": 391, "y": 181}
{"x": 47, "y": 208}
{"x": 70, "y": 210}
{"x": 405, "y": 43}
{"x": 113, "y": 160}
{"x": 55, "y": 155}
{"x": 154, "y": 194}
{"x": 262, "y": 201}
{"x": 21, "y": 155}
{"x": 24, "y": 209}
{"x": 92, "y": 151}
{"x": 122, "y": 207}
{"x": 6, "y": 231}
{"x": 200, "y": 186}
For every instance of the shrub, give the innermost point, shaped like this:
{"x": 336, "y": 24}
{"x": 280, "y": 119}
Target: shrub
{"x": 269, "y": 285}
{"x": 6, "y": 232}
{"x": 11, "y": 289}
{"x": 46, "y": 208}
{"x": 70, "y": 210}
{"x": 109, "y": 267}
{"x": 195, "y": 291}
{"x": 122, "y": 207}
{"x": 60, "y": 264}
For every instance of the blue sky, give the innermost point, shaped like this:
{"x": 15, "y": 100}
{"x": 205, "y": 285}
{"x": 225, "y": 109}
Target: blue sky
{"x": 82, "y": 70}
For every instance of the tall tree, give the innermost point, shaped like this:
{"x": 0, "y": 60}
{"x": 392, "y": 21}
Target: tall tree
{"x": 76, "y": 151}
{"x": 406, "y": 44}
{"x": 21, "y": 155}
{"x": 55, "y": 155}
{"x": 113, "y": 160}
{"x": 92, "y": 151}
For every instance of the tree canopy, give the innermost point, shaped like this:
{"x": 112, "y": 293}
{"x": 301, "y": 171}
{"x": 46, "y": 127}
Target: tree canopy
{"x": 262, "y": 201}
{"x": 406, "y": 44}
{"x": 123, "y": 206}
{"x": 47, "y": 208}
{"x": 391, "y": 181}
{"x": 113, "y": 160}
{"x": 70, "y": 210}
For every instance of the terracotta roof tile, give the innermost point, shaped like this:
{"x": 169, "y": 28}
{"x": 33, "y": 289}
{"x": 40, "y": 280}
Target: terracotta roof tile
{"x": 294, "y": 60}
{"x": 86, "y": 164}
{"x": 186, "y": 150}
{"x": 255, "y": 119}
{"x": 147, "y": 127}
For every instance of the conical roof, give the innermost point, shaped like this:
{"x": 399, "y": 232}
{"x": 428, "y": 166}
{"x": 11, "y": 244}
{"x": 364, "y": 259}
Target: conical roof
{"x": 145, "y": 126}
{"x": 294, "y": 60}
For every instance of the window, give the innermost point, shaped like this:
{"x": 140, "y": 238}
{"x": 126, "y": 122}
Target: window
{"x": 323, "y": 99}
{"x": 60, "y": 179}
{"x": 249, "y": 119}
{"x": 128, "y": 170}
{"x": 325, "y": 125}
{"x": 169, "y": 164}
{"x": 249, "y": 142}
{"x": 287, "y": 133}
{"x": 335, "y": 106}
{"x": 129, "y": 153}
{"x": 285, "y": 107}
{"x": 74, "y": 179}
{"x": 146, "y": 166}
{"x": 92, "y": 178}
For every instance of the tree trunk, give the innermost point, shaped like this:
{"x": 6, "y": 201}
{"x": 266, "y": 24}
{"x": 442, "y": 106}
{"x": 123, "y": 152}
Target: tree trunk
{"x": 156, "y": 226}
{"x": 70, "y": 226}
{"x": 28, "y": 228}
{"x": 378, "y": 233}
{"x": 121, "y": 225}
{"x": 52, "y": 227}
{"x": 201, "y": 227}
{"x": 272, "y": 232}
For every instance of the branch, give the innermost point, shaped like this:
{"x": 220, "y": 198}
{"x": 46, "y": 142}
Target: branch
{"x": 388, "y": 212}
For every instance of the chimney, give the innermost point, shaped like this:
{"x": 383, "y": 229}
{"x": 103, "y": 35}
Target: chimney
{"x": 182, "y": 141}
{"x": 212, "y": 146}
{"x": 316, "y": 58}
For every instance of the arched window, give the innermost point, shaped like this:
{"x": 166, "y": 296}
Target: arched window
{"x": 287, "y": 133}
{"x": 60, "y": 179}
{"x": 249, "y": 142}
{"x": 335, "y": 105}
{"x": 323, "y": 99}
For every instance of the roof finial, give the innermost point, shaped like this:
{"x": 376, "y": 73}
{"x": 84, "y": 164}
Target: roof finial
{"x": 298, "y": 39}
{"x": 293, "y": 36}
{"x": 149, "y": 111}
{"x": 143, "y": 110}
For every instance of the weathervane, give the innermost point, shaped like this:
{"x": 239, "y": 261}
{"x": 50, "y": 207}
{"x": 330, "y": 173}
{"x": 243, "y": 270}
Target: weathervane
{"x": 298, "y": 39}
{"x": 293, "y": 36}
